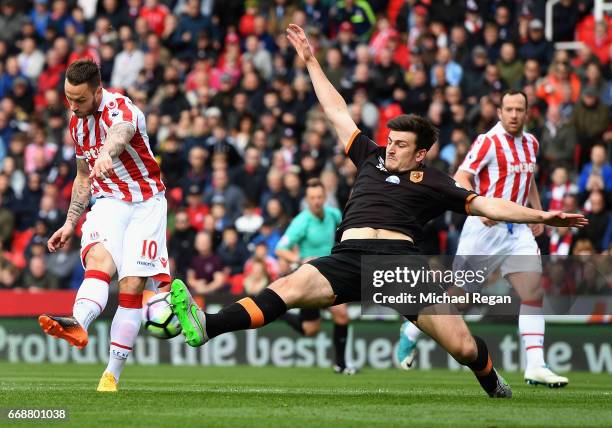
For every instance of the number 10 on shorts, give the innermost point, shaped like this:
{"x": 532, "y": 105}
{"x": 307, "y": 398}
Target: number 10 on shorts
{"x": 149, "y": 249}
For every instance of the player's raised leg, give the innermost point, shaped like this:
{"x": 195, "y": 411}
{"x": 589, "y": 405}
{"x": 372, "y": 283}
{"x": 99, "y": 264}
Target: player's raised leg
{"x": 124, "y": 330}
{"x": 90, "y": 301}
{"x": 451, "y": 332}
{"x": 305, "y": 287}
{"x": 531, "y": 329}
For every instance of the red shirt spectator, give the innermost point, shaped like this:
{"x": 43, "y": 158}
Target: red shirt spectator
{"x": 155, "y": 15}
{"x": 596, "y": 35}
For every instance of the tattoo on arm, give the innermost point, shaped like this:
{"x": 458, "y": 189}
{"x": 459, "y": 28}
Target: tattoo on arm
{"x": 118, "y": 137}
{"x": 80, "y": 193}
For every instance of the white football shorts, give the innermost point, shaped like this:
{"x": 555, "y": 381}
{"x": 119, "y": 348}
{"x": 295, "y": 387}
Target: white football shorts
{"x": 495, "y": 247}
{"x": 134, "y": 233}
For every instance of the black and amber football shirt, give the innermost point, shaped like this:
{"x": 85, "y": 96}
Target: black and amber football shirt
{"x": 402, "y": 202}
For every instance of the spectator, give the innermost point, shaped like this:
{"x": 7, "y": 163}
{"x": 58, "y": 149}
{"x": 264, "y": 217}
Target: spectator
{"x": 7, "y": 223}
{"x": 196, "y": 209}
{"x": 251, "y": 176}
{"x": 510, "y": 67}
{"x": 40, "y": 17}
{"x": 596, "y": 175}
{"x": 452, "y": 70}
{"x": 154, "y": 14}
{"x": 31, "y": 60}
{"x": 560, "y": 186}
{"x": 560, "y": 85}
{"x": 11, "y": 21}
{"x": 37, "y": 277}
{"x": 590, "y": 119}
{"x": 599, "y": 218}
{"x": 232, "y": 251}
{"x": 268, "y": 234}
{"x": 531, "y": 75}
{"x": 359, "y": 13}
{"x": 492, "y": 44}
{"x": 62, "y": 263}
{"x": 257, "y": 279}
{"x": 506, "y": 26}
{"x": 559, "y": 140}
{"x": 250, "y": 221}
{"x": 190, "y": 25}
{"x": 537, "y": 47}
{"x": 232, "y": 195}
{"x": 388, "y": 76}
{"x": 173, "y": 103}
{"x": 127, "y": 65}
{"x": 181, "y": 243}
{"x": 565, "y": 17}
{"x": 205, "y": 274}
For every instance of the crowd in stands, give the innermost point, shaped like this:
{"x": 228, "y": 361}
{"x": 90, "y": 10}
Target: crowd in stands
{"x": 234, "y": 123}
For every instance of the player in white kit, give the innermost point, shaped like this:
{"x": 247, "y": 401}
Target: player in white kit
{"x": 501, "y": 164}
{"x": 125, "y": 232}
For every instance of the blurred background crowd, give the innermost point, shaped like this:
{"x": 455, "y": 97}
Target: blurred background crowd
{"x": 234, "y": 123}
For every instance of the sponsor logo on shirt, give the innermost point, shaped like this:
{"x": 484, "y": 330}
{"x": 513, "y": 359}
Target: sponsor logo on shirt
{"x": 381, "y": 164}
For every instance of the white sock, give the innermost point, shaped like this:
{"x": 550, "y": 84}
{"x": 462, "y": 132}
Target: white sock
{"x": 91, "y": 298}
{"x": 124, "y": 331}
{"x": 412, "y": 332}
{"x": 531, "y": 327}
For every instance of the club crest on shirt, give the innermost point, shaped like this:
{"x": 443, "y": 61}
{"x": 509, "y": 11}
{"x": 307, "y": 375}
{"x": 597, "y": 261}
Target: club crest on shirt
{"x": 112, "y": 105}
{"x": 416, "y": 176}
{"x": 394, "y": 179}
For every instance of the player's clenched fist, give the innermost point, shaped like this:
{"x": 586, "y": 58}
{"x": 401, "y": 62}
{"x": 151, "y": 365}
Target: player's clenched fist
{"x": 60, "y": 237}
{"x": 103, "y": 167}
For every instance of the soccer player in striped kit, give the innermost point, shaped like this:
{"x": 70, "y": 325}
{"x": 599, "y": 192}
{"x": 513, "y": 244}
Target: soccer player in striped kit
{"x": 125, "y": 231}
{"x": 501, "y": 164}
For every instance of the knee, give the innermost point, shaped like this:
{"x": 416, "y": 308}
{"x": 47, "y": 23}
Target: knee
{"x": 289, "y": 289}
{"x": 311, "y": 329}
{"x": 464, "y": 349}
{"x": 132, "y": 285}
{"x": 340, "y": 316}
{"x": 99, "y": 259}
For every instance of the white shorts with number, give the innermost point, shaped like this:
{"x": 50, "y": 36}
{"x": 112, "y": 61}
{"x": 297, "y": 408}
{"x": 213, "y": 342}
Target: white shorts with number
{"x": 495, "y": 247}
{"x": 134, "y": 233}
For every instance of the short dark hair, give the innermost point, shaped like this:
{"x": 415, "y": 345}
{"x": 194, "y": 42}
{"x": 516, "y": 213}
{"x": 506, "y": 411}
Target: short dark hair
{"x": 513, "y": 92}
{"x": 314, "y": 182}
{"x": 426, "y": 133}
{"x": 84, "y": 71}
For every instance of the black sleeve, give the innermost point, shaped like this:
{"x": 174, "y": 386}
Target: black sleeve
{"x": 360, "y": 147}
{"x": 452, "y": 196}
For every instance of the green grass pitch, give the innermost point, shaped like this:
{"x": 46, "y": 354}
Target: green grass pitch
{"x": 187, "y": 397}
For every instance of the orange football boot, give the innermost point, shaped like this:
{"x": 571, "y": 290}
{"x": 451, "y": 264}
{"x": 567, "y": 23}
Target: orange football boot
{"x": 67, "y": 328}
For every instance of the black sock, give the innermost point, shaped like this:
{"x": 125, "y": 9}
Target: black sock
{"x": 340, "y": 335}
{"x": 294, "y": 321}
{"x": 246, "y": 313}
{"x": 482, "y": 366}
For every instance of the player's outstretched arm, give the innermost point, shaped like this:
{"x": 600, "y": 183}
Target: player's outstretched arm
{"x": 332, "y": 102}
{"x": 503, "y": 210}
{"x": 117, "y": 139}
{"x": 78, "y": 204}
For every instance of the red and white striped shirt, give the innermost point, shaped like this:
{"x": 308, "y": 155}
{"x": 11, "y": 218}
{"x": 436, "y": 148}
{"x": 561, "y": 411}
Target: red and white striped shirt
{"x": 136, "y": 174}
{"x": 502, "y": 164}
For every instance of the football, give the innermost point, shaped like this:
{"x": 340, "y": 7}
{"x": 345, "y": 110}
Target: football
{"x": 158, "y": 318}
